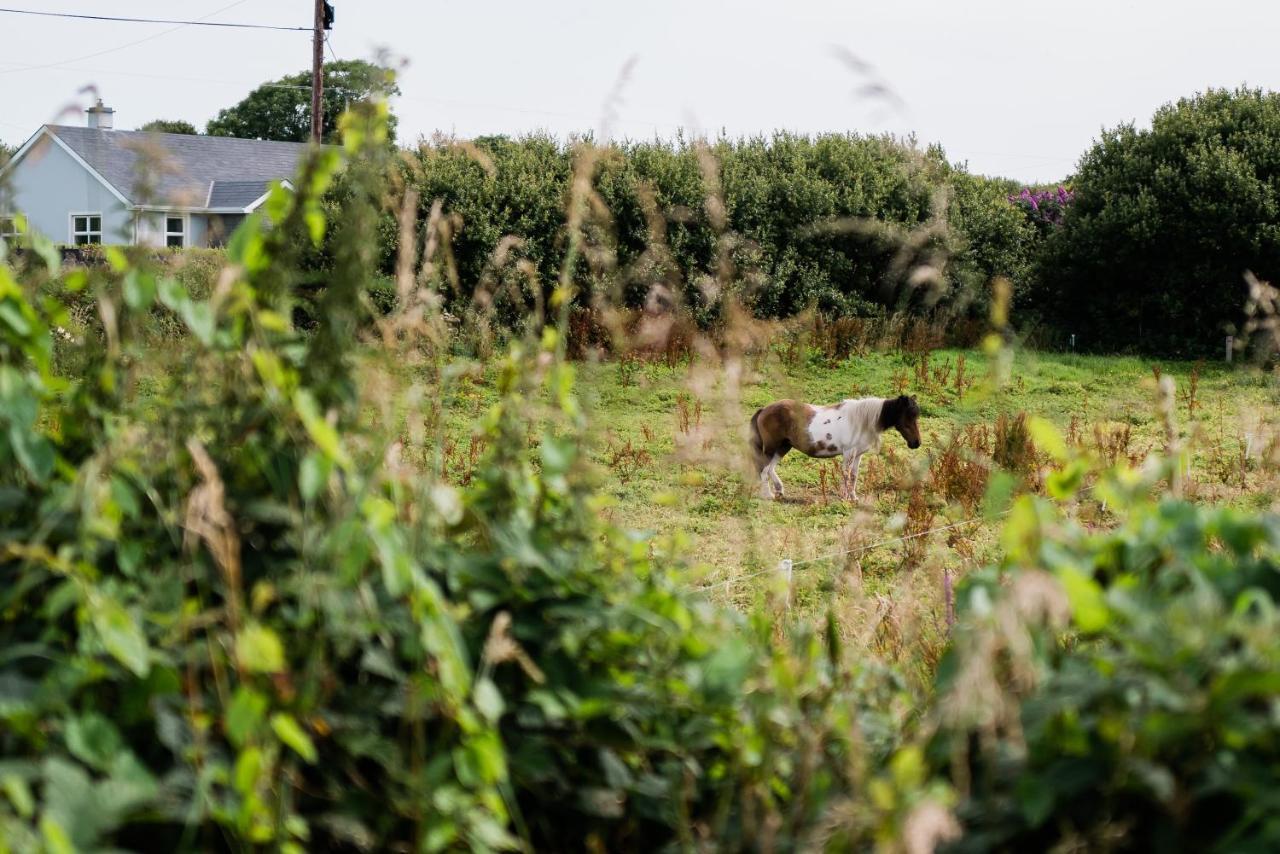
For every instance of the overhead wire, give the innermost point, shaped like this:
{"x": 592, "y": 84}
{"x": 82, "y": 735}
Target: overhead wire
{"x": 199, "y": 22}
{"x": 125, "y": 46}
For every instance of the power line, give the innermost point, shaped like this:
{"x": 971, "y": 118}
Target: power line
{"x": 199, "y": 23}
{"x": 117, "y": 48}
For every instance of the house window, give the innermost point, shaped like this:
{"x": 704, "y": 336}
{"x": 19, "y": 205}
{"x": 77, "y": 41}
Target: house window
{"x": 86, "y": 228}
{"x": 175, "y": 231}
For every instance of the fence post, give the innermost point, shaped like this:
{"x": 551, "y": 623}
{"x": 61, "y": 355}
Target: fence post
{"x": 784, "y": 567}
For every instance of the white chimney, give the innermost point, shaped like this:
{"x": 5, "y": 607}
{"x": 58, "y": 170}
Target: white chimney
{"x": 101, "y": 117}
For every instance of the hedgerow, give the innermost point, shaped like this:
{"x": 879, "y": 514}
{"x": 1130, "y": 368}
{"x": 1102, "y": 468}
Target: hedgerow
{"x": 1164, "y": 224}
{"x": 234, "y": 616}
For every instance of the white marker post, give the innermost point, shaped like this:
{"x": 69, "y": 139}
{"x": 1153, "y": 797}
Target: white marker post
{"x": 1231, "y": 343}
{"x": 784, "y": 567}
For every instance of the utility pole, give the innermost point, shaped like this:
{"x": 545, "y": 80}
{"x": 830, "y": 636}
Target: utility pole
{"x": 323, "y": 21}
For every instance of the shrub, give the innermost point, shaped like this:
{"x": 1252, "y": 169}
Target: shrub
{"x": 836, "y": 222}
{"x": 1164, "y": 224}
{"x": 1117, "y": 689}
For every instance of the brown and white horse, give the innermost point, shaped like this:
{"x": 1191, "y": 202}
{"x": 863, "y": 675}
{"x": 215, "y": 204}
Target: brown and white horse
{"x": 848, "y": 429}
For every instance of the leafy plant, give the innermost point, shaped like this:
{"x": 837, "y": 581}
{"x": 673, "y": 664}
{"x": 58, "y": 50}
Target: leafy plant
{"x": 1116, "y": 689}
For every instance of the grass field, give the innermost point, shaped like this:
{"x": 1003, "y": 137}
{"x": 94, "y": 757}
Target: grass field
{"x": 669, "y": 454}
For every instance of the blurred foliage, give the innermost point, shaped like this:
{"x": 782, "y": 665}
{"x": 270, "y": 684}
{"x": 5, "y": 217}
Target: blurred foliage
{"x": 1164, "y": 224}
{"x": 1118, "y": 689}
{"x": 836, "y": 222}
{"x": 231, "y": 617}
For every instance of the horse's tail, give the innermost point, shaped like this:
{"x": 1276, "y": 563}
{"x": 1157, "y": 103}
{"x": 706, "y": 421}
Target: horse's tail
{"x": 757, "y": 441}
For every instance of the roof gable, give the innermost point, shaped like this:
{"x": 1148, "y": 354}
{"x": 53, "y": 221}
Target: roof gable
{"x": 179, "y": 170}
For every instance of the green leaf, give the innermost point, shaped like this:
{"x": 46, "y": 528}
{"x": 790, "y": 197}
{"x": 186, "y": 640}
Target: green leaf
{"x": 312, "y": 475}
{"x": 245, "y": 715}
{"x": 173, "y": 295}
{"x": 1047, "y": 437}
{"x": 120, "y": 634}
{"x": 248, "y": 768}
{"x": 320, "y": 430}
{"x": 315, "y": 225}
{"x": 55, "y": 838}
{"x": 488, "y": 699}
{"x": 199, "y": 319}
{"x": 94, "y": 740}
{"x": 258, "y": 649}
{"x": 13, "y": 318}
{"x": 139, "y": 290}
{"x": 19, "y": 794}
{"x": 288, "y": 731}
{"x": 34, "y": 452}
{"x": 1088, "y": 607}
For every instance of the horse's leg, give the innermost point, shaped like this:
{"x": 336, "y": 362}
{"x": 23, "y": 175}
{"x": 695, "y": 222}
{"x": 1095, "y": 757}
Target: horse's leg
{"x": 766, "y": 479}
{"x": 773, "y": 474}
{"x": 851, "y": 473}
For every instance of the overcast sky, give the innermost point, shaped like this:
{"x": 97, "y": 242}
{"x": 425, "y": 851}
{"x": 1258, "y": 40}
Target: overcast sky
{"x": 1014, "y": 87}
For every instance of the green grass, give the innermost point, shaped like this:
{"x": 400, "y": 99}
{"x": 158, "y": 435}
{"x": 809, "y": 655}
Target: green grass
{"x": 661, "y": 480}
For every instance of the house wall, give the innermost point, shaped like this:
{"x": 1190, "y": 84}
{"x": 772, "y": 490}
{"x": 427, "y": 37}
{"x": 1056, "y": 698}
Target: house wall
{"x": 198, "y": 230}
{"x": 48, "y": 185}
{"x": 151, "y": 229}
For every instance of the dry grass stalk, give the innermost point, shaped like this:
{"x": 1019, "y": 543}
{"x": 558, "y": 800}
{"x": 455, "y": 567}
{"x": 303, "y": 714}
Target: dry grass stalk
{"x": 207, "y": 519}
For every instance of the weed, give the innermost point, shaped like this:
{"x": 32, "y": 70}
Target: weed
{"x": 688, "y": 418}
{"x": 626, "y": 460}
{"x": 1012, "y": 448}
{"x": 920, "y": 516}
{"x": 959, "y": 472}
{"x": 1190, "y": 391}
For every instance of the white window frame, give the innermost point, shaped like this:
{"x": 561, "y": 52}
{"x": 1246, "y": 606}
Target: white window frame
{"x": 88, "y": 233}
{"x": 11, "y": 221}
{"x": 185, "y": 234}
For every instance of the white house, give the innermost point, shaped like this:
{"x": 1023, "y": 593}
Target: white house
{"x": 95, "y": 184}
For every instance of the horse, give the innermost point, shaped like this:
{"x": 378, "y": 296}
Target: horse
{"x": 849, "y": 428}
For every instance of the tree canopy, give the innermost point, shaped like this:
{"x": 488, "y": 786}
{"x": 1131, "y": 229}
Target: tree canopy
{"x": 281, "y": 109}
{"x": 170, "y": 126}
{"x": 1164, "y": 224}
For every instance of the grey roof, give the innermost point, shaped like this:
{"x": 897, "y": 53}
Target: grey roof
{"x": 237, "y": 194}
{"x": 180, "y": 169}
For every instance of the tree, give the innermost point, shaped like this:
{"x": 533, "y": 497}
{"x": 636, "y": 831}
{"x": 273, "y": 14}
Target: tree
{"x": 6, "y": 151}
{"x": 1165, "y": 222}
{"x": 281, "y": 110}
{"x": 170, "y": 126}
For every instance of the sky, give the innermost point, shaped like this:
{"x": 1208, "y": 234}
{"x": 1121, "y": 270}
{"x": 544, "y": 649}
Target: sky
{"x": 1018, "y": 88}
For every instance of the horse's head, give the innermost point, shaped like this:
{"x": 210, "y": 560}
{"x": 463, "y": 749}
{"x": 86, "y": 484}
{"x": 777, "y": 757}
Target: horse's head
{"x": 902, "y": 413}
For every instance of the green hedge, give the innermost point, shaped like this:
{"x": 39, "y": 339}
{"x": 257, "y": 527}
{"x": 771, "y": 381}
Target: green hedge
{"x": 1165, "y": 222}
{"x": 809, "y": 222}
